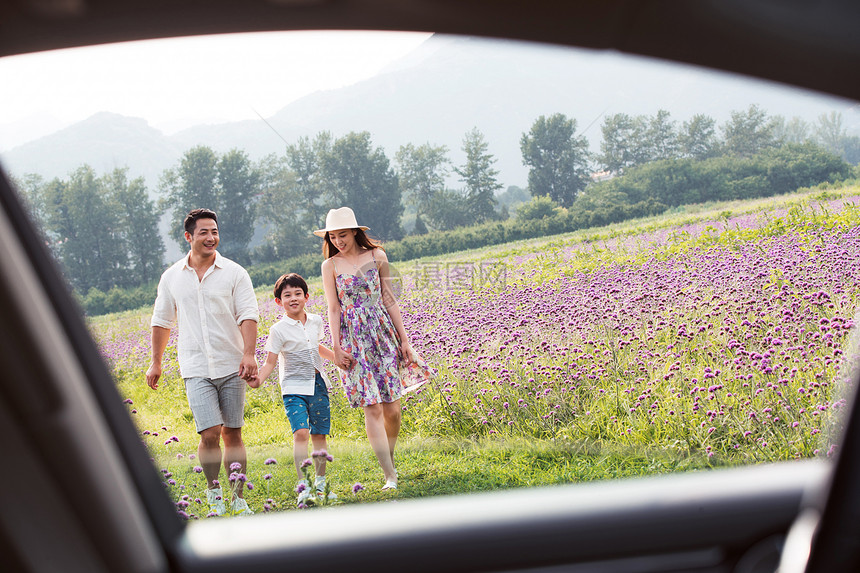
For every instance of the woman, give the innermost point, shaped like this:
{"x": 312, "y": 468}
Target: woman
{"x": 370, "y": 345}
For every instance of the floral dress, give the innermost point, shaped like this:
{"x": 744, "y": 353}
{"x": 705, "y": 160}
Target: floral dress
{"x": 368, "y": 335}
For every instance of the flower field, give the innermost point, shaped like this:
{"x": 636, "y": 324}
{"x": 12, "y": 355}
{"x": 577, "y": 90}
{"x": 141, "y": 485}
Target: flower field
{"x": 719, "y": 338}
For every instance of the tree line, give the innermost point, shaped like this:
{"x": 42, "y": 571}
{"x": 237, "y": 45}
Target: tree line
{"x": 104, "y": 229}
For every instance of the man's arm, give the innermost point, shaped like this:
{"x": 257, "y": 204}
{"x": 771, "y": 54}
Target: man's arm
{"x": 160, "y": 336}
{"x": 248, "y": 364}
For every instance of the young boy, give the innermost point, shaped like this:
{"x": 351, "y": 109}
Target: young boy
{"x": 294, "y": 344}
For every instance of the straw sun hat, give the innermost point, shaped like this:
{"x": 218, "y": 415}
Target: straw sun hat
{"x": 337, "y": 219}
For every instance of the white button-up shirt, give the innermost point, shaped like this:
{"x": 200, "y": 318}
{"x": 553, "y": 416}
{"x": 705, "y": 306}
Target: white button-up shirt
{"x": 298, "y": 350}
{"x": 208, "y": 313}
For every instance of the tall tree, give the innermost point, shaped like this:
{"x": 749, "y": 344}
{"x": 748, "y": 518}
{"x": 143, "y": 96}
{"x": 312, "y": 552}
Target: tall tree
{"x": 449, "y": 209}
{"x": 795, "y": 130}
{"x": 137, "y": 228}
{"x": 750, "y": 132}
{"x": 851, "y": 149}
{"x": 479, "y": 177}
{"x": 278, "y": 211}
{"x": 86, "y": 226}
{"x": 697, "y": 138}
{"x": 228, "y": 185}
{"x": 32, "y": 188}
{"x": 364, "y": 180}
{"x": 421, "y": 171}
{"x": 192, "y": 185}
{"x": 662, "y": 137}
{"x": 238, "y": 184}
{"x": 315, "y": 189}
{"x": 557, "y": 158}
{"x": 830, "y": 131}
{"x": 625, "y": 142}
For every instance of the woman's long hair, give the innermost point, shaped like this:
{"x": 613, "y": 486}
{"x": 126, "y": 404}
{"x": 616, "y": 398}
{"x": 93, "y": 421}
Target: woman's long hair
{"x": 329, "y": 250}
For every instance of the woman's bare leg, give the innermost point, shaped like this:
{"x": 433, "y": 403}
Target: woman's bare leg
{"x": 374, "y": 423}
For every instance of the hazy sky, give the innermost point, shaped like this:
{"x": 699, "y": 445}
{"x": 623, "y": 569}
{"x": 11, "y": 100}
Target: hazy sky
{"x": 179, "y": 82}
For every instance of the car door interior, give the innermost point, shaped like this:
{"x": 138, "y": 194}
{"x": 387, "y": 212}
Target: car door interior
{"x": 79, "y": 492}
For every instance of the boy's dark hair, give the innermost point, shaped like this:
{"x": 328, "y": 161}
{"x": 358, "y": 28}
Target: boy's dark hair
{"x": 290, "y": 279}
{"x": 191, "y": 219}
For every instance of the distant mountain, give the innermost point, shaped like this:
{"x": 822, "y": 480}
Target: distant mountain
{"x": 104, "y": 141}
{"x": 435, "y": 94}
{"x": 33, "y": 127}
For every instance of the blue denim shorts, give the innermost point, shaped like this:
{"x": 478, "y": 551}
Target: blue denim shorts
{"x": 310, "y": 412}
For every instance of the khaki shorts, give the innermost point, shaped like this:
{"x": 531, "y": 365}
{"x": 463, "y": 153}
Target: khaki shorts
{"x": 216, "y": 402}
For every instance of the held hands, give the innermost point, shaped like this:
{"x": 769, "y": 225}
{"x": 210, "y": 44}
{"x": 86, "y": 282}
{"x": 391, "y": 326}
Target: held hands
{"x": 248, "y": 370}
{"x": 343, "y": 360}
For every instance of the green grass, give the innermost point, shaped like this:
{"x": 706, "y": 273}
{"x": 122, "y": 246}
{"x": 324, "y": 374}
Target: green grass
{"x": 436, "y": 467}
{"x": 448, "y": 449}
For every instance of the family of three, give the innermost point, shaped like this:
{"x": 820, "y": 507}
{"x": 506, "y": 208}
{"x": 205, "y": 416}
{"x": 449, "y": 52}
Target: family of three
{"x": 211, "y": 301}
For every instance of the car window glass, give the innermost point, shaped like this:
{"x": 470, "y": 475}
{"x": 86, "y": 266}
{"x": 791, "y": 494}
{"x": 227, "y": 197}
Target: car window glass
{"x": 611, "y": 267}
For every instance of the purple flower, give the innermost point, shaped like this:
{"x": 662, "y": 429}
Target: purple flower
{"x": 197, "y": 469}
{"x": 267, "y": 476}
{"x": 270, "y": 461}
{"x": 357, "y": 488}
{"x": 235, "y": 466}
{"x": 306, "y": 463}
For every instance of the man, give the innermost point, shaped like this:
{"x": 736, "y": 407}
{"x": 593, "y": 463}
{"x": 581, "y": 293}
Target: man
{"x": 213, "y": 303}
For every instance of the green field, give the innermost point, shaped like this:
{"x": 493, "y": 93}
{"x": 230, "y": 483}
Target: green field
{"x": 711, "y": 336}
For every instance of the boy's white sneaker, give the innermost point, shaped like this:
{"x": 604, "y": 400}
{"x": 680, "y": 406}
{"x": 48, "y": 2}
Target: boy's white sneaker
{"x": 240, "y": 507}
{"x": 216, "y": 501}
{"x": 305, "y": 494}
{"x": 319, "y": 485}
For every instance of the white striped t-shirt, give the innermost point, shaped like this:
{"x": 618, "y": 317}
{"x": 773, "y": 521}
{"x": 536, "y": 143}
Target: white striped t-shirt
{"x": 297, "y": 347}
